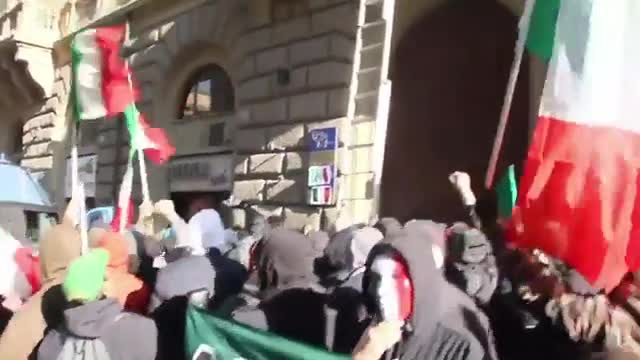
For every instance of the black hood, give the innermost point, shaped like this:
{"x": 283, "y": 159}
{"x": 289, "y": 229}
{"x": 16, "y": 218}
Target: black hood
{"x": 428, "y": 286}
{"x": 92, "y": 319}
{"x": 286, "y": 261}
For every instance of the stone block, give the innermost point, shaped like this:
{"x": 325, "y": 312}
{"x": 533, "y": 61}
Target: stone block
{"x": 296, "y": 218}
{"x": 270, "y": 111}
{"x": 316, "y": 4}
{"x": 358, "y": 186}
{"x": 330, "y": 74}
{"x": 169, "y": 34}
{"x": 43, "y": 120}
{"x": 266, "y": 164}
{"x": 248, "y": 190}
{"x": 105, "y": 174}
{"x": 342, "y": 47}
{"x": 363, "y": 133}
{"x": 371, "y": 57}
{"x": 296, "y": 161}
{"x": 240, "y": 164}
{"x": 361, "y": 160}
{"x": 41, "y": 163}
{"x": 343, "y": 18}
{"x": 309, "y": 50}
{"x": 250, "y": 139}
{"x": 286, "y": 31}
{"x": 107, "y": 138}
{"x": 267, "y": 210}
{"x": 286, "y": 137}
{"x": 157, "y": 54}
{"x": 308, "y": 106}
{"x": 271, "y": 59}
{"x": 367, "y": 105}
{"x": 255, "y": 88}
{"x": 183, "y": 27}
{"x": 339, "y": 102}
{"x": 286, "y": 191}
{"x": 369, "y": 80}
{"x": 247, "y": 67}
{"x": 37, "y": 150}
{"x": 109, "y": 157}
{"x": 359, "y": 211}
{"x": 257, "y": 39}
{"x": 297, "y": 81}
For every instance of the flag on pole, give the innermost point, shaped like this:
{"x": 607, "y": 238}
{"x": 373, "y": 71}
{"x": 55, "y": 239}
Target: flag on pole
{"x": 100, "y": 76}
{"x": 542, "y": 28}
{"x": 209, "y": 337}
{"x": 579, "y": 195}
{"x": 153, "y": 141}
{"x": 125, "y": 204}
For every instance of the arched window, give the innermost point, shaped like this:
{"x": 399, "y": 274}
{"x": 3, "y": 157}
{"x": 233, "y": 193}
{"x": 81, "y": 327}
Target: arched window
{"x": 208, "y": 92}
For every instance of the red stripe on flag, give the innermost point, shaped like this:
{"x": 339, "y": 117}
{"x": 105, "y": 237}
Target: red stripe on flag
{"x": 117, "y": 92}
{"x": 578, "y": 199}
{"x": 164, "y": 150}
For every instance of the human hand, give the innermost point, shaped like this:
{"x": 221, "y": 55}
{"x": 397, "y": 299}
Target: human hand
{"x": 462, "y": 182}
{"x": 377, "y": 340}
{"x": 622, "y": 335}
{"x": 166, "y": 208}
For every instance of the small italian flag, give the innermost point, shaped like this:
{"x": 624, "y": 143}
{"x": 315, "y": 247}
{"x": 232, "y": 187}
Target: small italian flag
{"x": 579, "y": 196}
{"x": 153, "y": 141}
{"x": 100, "y": 76}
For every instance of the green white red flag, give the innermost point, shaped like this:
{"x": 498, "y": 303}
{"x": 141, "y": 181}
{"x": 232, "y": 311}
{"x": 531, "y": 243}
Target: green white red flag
{"x": 100, "y": 76}
{"x": 579, "y": 197}
{"x": 153, "y": 141}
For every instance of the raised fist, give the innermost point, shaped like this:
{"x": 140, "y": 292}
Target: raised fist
{"x": 462, "y": 182}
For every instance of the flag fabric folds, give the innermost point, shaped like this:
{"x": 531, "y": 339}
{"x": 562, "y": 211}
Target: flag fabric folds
{"x": 100, "y": 76}
{"x": 153, "y": 141}
{"x": 209, "y": 337}
{"x": 579, "y": 194}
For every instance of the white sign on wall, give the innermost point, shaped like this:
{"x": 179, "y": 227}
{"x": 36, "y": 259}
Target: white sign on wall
{"x": 201, "y": 173}
{"x": 87, "y": 168}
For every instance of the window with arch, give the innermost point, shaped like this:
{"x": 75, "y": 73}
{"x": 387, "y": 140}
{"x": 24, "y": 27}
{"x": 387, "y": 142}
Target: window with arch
{"x": 209, "y": 91}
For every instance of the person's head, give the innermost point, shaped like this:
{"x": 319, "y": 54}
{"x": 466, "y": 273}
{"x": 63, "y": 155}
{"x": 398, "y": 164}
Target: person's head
{"x": 85, "y": 278}
{"x": 388, "y": 226}
{"x": 199, "y": 203}
{"x": 207, "y": 230}
{"x": 59, "y": 247}
{"x": 286, "y": 258}
{"x": 118, "y": 250}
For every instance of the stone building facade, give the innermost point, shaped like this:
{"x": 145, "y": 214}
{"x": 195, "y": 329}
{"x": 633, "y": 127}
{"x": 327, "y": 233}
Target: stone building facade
{"x": 295, "y": 66}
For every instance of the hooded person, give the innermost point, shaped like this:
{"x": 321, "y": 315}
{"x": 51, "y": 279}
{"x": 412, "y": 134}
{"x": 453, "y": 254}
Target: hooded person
{"x": 189, "y": 272}
{"x": 130, "y": 291}
{"x": 347, "y": 252}
{"x": 441, "y": 322}
{"x": 60, "y": 245}
{"x": 291, "y": 301}
{"x": 95, "y": 326}
{"x": 388, "y": 226}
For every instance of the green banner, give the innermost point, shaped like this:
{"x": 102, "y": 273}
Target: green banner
{"x": 209, "y": 337}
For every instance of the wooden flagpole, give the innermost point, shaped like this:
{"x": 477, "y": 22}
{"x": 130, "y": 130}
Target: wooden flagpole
{"x": 525, "y": 22}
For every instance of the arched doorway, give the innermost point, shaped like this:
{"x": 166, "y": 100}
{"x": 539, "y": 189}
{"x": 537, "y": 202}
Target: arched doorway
{"x": 449, "y": 76}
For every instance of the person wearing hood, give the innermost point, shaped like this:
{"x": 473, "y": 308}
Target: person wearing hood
{"x": 95, "y": 326}
{"x": 207, "y": 225}
{"x": 347, "y": 254}
{"x": 440, "y": 321}
{"x": 291, "y": 301}
{"x": 60, "y": 245}
{"x": 130, "y": 291}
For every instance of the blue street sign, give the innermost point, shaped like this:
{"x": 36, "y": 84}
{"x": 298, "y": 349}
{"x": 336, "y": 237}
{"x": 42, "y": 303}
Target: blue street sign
{"x": 323, "y": 139}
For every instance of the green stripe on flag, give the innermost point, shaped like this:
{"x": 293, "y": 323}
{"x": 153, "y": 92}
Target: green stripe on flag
{"x": 226, "y": 340}
{"x": 76, "y": 58}
{"x": 507, "y": 190}
{"x": 542, "y": 29}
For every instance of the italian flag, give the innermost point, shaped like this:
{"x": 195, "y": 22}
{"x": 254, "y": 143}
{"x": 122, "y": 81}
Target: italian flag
{"x": 153, "y": 141}
{"x": 100, "y": 76}
{"x": 579, "y": 197}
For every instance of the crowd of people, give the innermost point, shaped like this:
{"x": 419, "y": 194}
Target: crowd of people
{"x": 420, "y": 290}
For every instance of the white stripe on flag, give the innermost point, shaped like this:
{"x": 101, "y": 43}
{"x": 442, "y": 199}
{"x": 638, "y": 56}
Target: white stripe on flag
{"x": 593, "y": 76}
{"x": 88, "y": 77}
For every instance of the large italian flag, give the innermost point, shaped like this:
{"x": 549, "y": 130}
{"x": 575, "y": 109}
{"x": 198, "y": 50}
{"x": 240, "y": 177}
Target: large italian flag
{"x": 100, "y": 76}
{"x": 579, "y": 195}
